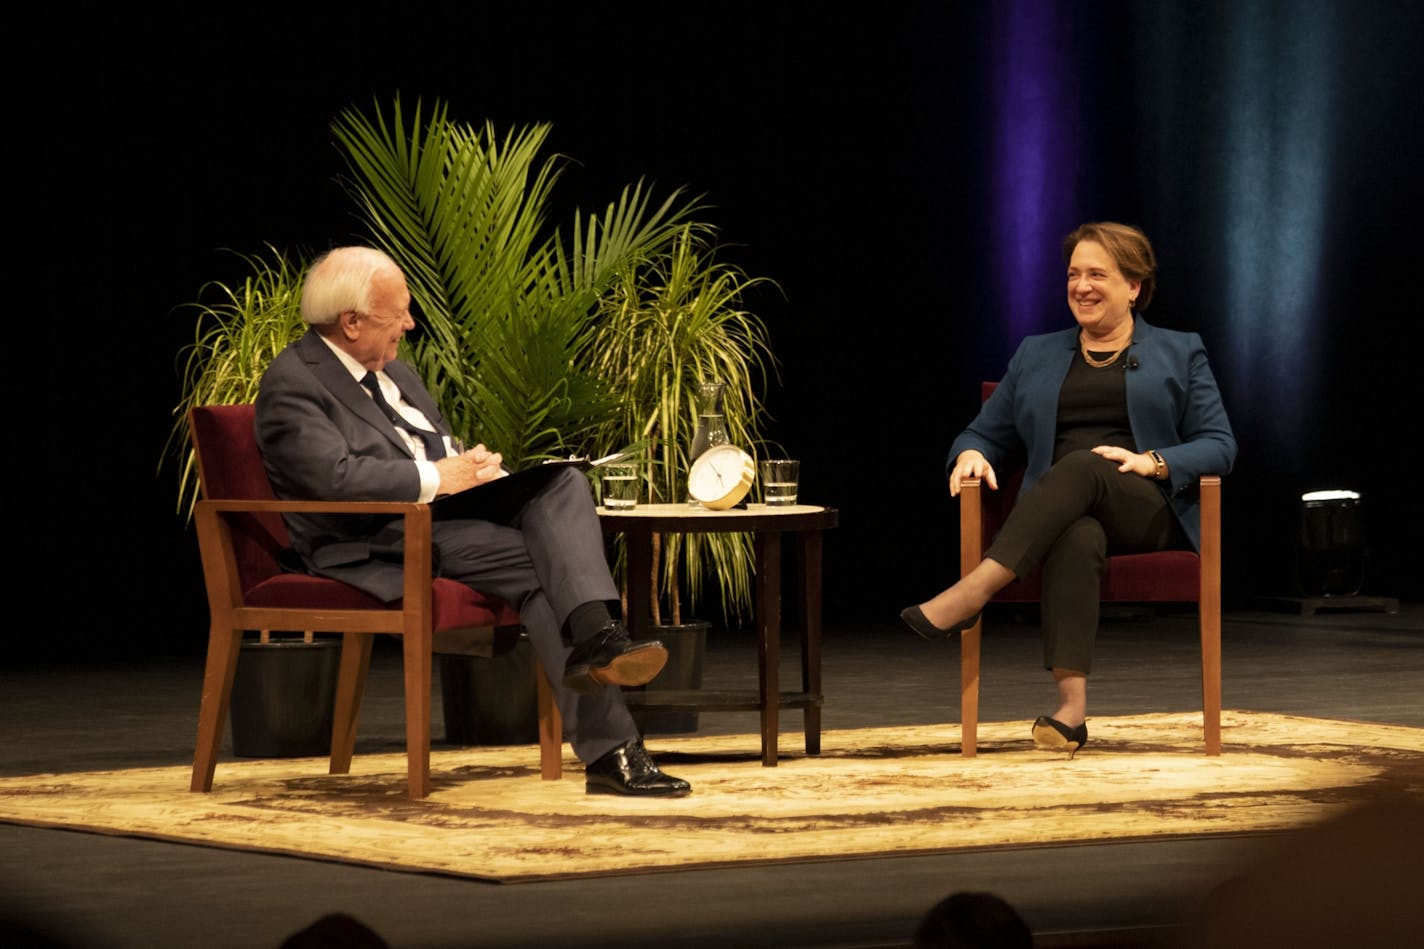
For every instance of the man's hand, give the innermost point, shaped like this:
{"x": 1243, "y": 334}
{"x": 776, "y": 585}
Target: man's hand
{"x": 971, "y": 464}
{"x": 463, "y": 471}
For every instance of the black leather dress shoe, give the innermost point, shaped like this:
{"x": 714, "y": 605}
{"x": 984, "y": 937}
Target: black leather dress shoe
{"x": 916, "y": 619}
{"x": 611, "y": 657}
{"x": 629, "y": 769}
{"x": 1049, "y": 734}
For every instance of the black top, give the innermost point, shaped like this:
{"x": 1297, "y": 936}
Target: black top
{"x": 1092, "y": 407}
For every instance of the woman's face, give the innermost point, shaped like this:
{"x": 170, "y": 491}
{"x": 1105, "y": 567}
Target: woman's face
{"x": 1098, "y": 294}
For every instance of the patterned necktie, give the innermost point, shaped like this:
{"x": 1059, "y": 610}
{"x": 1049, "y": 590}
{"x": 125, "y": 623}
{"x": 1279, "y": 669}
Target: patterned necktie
{"x": 434, "y": 444}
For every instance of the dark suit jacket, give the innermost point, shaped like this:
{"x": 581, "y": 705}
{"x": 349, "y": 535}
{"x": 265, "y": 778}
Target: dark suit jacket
{"x": 1173, "y": 406}
{"x": 322, "y": 436}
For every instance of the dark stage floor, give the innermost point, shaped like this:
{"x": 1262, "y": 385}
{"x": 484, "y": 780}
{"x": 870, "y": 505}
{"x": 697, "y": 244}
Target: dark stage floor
{"x": 62, "y": 888}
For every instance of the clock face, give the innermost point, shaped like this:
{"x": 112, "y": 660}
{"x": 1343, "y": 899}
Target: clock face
{"x": 721, "y": 476}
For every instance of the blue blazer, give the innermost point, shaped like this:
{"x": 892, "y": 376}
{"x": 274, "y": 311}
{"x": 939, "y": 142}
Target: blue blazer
{"x": 1173, "y": 406}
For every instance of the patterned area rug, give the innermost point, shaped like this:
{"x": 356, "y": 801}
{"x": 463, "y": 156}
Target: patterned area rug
{"x": 871, "y": 793}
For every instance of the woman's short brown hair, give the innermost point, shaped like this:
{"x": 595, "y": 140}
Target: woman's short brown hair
{"x": 1127, "y": 246}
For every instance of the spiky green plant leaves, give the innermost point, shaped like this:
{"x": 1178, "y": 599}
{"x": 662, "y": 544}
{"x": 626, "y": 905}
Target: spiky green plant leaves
{"x": 239, "y": 329}
{"x": 507, "y": 310}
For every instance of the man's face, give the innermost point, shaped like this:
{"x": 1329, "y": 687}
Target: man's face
{"x": 374, "y": 336}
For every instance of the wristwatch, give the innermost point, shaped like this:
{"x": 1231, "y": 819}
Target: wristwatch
{"x": 1161, "y": 473}
{"x": 721, "y": 476}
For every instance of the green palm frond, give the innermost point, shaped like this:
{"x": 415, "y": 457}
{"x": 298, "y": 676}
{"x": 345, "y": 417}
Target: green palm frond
{"x": 506, "y": 311}
{"x": 669, "y": 325}
{"x": 535, "y": 342}
{"x": 239, "y": 330}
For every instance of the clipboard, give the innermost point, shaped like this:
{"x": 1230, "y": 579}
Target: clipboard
{"x": 502, "y": 499}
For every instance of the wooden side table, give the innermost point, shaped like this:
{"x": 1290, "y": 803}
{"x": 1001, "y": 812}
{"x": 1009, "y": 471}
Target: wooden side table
{"x": 805, "y": 524}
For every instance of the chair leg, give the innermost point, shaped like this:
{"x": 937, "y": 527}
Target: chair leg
{"x": 224, "y": 646}
{"x": 551, "y": 728}
{"x": 971, "y": 551}
{"x": 350, "y": 688}
{"x": 1211, "y": 679}
{"x": 418, "y": 657}
{"x": 809, "y": 553}
{"x": 969, "y": 690}
{"x": 1210, "y": 608}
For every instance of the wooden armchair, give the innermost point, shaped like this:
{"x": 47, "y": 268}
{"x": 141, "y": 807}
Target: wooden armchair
{"x": 240, "y": 538}
{"x": 1167, "y": 576}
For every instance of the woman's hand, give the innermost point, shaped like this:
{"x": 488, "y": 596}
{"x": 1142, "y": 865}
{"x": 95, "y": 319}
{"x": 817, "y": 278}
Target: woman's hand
{"x": 971, "y": 464}
{"x": 1128, "y": 461}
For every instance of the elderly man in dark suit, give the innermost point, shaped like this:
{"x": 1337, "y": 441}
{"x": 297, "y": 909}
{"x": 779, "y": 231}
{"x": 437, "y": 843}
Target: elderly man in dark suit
{"x": 339, "y": 417}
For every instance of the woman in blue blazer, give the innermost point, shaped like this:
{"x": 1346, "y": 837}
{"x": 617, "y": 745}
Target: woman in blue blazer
{"x": 1114, "y": 420}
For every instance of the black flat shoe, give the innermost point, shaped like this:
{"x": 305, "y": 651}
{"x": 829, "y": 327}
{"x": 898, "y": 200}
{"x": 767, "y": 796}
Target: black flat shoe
{"x": 915, "y": 618}
{"x": 1049, "y": 734}
{"x": 629, "y": 769}
{"x": 611, "y": 657}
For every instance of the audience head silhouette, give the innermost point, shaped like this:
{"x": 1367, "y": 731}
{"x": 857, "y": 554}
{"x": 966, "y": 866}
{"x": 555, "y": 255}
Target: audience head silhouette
{"x": 335, "y": 931}
{"x": 969, "y": 920}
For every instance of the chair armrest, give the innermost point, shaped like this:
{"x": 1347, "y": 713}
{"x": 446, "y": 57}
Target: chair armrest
{"x": 215, "y": 543}
{"x": 971, "y": 524}
{"x": 244, "y": 505}
{"x": 1210, "y": 499}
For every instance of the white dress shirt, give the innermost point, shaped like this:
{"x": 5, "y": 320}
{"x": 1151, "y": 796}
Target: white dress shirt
{"x": 429, "y": 477}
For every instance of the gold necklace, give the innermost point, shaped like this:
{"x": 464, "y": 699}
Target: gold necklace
{"x": 1100, "y": 363}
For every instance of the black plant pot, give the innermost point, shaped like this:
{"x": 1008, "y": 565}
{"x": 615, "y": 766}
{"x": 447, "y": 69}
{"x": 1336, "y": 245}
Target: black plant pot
{"x": 284, "y": 698}
{"x": 687, "y": 646}
{"x": 491, "y": 700}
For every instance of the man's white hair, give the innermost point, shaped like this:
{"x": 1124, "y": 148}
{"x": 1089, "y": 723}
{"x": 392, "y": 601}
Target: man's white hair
{"x": 340, "y": 281}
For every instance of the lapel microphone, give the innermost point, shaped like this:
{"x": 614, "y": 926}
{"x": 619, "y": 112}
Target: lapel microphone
{"x": 1131, "y": 363}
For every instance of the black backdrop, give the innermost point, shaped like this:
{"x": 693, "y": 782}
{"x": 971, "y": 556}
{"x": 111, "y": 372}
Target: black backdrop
{"x": 845, "y": 155}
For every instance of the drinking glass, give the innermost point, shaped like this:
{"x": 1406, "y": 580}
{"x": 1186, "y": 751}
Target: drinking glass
{"x": 620, "y": 486}
{"x": 779, "y": 480}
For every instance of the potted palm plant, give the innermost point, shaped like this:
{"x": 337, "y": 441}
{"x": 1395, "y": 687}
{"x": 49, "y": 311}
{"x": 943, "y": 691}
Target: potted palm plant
{"x": 239, "y": 329}
{"x": 508, "y": 307}
{"x": 670, "y": 325}
{"x": 544, "y": 345}
{"x": 672, "y": 329}
{"x": 528, "y": 335}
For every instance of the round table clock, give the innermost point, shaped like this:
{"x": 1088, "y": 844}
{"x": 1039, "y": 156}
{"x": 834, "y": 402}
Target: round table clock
{"x": 721, "y": 476}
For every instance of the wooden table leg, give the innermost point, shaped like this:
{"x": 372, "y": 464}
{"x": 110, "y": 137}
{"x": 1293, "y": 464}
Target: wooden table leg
{"x": 809, "y": 583}
{"x": 768, "y": 625}
{"x": 639, "y": 548}
{"x": 767, "y": 531}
